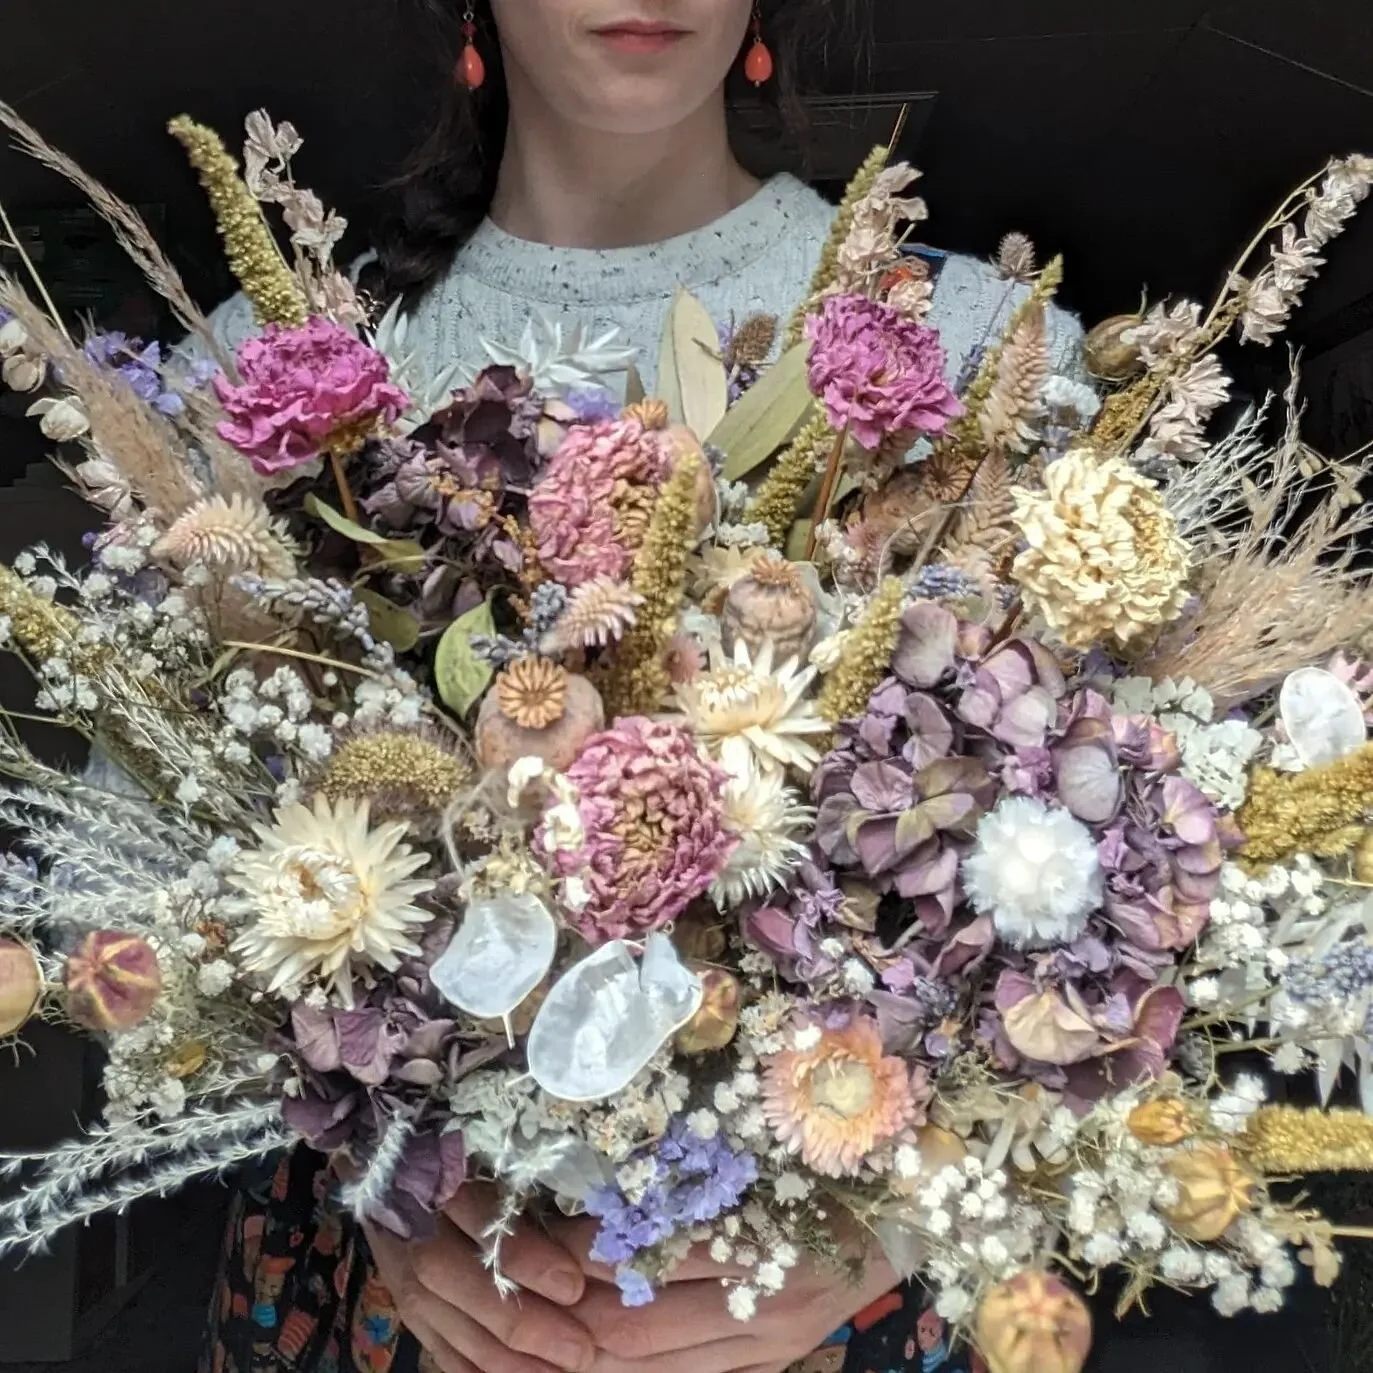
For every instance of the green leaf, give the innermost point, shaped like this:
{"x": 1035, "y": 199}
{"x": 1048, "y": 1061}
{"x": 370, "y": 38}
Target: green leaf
{"x": 691, "y": 374}
{"x": 398, "y": 555}
{"x": 766, "y": 416}
{"x": 390, "y": 621}
{"x": 797, "y": 541}
{"x": 459, "y": 674}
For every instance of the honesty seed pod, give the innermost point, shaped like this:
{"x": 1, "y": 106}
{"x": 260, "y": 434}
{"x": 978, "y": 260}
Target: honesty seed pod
{"x": 715, "y": 1024}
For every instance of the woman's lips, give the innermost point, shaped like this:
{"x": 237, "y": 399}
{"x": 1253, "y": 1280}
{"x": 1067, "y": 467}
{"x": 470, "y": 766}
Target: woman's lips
{"x": 641, "y": 38}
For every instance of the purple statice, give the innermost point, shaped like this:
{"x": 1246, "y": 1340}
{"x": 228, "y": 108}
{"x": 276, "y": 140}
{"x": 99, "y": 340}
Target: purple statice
{"x": 591, "y": 404}
{"x": 138, "y": 364}
{"x": 695, "y": 1180}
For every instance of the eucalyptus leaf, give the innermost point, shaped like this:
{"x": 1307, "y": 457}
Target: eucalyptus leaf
{"x": 691, "y": 374}
{"x": 798, "y": 541}
{"x": 634, "y": 386}
{"x": 390, "y": 621}
{"x": 399, "y": 555}
{"x": 766, "y": 416}
{"x": 459, "y": 674}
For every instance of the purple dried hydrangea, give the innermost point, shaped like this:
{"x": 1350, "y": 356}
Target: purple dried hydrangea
{"x": 137, "y": 363}
{"x": 695, "y": 1180}
{"x": 960, "y": 723}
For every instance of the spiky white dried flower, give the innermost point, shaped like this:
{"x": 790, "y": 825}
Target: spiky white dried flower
{"x": 1035, "y": 871}
{"x": 769, "y": 821}
{"x": 330, "y": 897}
{"x": 429, "y": 391}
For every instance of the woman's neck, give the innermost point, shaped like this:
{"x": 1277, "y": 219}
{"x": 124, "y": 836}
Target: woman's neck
{"x": 580, "y": 188}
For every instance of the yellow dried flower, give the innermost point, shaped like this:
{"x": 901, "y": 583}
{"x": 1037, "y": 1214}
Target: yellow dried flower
{"x": 251, "y": 250}
{"x": 40, "y": 627}
{"x": 532, "y": 692}
{"x": 1290, "y": 1139}
{"x": 638, "y": 681}
{"x": 1166, "y": 1121}
{"x": 231, "y": 535}
{"x": 867, "y": 655}
{"x": 398, "y": 772}
{"x": 1104, "y": 560}
{"x": 1319, "y": 811}
{"x": 779, "y": 496}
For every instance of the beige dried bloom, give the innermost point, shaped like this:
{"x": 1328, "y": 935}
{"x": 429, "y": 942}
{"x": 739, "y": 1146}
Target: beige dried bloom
{"x": 652, "y": 414}
{"x": 229, "y": 534}
{"x": 597, "y": 614}
{"x": 1015, "y": 258}
{"x": 1104, "y": 561}
{"x": 532, "y": 693}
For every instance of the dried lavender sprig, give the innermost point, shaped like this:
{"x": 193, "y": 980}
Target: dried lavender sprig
{"x": 546, "y": 603}
{"x": 328, "y": 603}
{"x": 22, "y": 1231}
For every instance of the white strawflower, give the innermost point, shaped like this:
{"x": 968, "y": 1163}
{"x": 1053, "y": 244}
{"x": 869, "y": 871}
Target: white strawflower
{"x": 1034, "y": 870}
{"x": 330, "y": 896}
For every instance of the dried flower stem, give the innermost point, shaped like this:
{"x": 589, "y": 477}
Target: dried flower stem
{"x": 833, "y": 465}
{"x": 252, "y": 251}
{"x": 12, "y": 240}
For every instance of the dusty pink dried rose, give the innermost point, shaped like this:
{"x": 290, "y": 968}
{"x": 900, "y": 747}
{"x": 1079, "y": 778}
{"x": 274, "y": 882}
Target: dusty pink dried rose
{"x": 305, "y": 390}
{"x": 592, "y": 505}
{"x": 876, "y": 371}
{"x": 650, "y": 809}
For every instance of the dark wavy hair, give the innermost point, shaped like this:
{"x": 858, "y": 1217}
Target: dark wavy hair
{"x": 446, "y": 185}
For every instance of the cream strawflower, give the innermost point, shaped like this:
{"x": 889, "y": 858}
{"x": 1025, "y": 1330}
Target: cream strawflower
{"x": 1035, "y": 871}
{"x": 1104, "y": 559}
{"x": 767, "y": 817}
{"x": 329, "y": 896}
{"x": 743, "y": 708}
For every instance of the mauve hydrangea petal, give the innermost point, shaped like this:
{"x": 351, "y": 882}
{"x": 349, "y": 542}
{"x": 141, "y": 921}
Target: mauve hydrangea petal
{"x": 925, "y": 649}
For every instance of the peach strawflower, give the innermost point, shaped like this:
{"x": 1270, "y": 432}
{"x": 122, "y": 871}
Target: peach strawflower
{"x": 835, "y": 1100}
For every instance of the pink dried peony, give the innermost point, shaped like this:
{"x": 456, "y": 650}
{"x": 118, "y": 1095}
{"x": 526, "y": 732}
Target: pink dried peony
{"x": 590, "y": 509}
{"x": 304, "y": 390}
{"x": 877, "y": 371}
{"x": 650, "y": 809}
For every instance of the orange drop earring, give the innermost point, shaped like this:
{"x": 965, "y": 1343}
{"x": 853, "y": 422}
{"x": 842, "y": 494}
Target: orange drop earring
{"x": 758, "y": 63}
{"x": 471, "y": 70}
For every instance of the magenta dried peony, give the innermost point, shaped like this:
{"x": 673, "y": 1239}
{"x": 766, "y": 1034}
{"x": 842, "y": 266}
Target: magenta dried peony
{"x": 650, "y": 809}
{"x": 591, "y": 508}
{"x": 303, "y": 391}
{"x": 877, "y": 371}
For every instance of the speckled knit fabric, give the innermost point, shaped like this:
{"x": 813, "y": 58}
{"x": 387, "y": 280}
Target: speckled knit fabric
{"x": 757, "y": 258}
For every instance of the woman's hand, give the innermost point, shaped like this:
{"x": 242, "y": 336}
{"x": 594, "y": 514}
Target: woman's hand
{"x": 447, "y": 1300}
{"x": 686, "y": 1328}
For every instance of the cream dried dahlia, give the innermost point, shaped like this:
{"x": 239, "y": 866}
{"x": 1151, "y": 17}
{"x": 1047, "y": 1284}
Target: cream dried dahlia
{"x": 329, "y": 897}
{"x": 836, "y": 1099}
{"x": 1104, "y": 561}
{"x": 743, "y": 708}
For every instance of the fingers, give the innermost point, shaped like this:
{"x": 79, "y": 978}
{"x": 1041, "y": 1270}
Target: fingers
{"x": 528, "y": 1257}
{"x": 687, "y": 1316}
{"x": 720, "y": 1356}
{"x": 473, "y": 1316}
{"x": 436, "y": 1354}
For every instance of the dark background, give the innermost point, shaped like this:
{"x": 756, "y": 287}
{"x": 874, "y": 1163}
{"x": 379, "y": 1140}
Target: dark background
{"x": 1144, "y": 139}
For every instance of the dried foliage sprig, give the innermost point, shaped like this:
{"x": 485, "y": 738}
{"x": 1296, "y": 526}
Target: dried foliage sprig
{"x": 867, "y": 654}
{"x": 779, "y": 496}
{"x": 1022, "y": 369}
{"x": 252, "y": 251}
{"x": 131, "y": 233}
{"x": 858, "y": 188}
{"x": 638, "y": 680}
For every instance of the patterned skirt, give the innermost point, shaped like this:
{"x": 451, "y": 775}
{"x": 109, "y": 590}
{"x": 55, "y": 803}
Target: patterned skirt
{"x": 297, "y": 1292}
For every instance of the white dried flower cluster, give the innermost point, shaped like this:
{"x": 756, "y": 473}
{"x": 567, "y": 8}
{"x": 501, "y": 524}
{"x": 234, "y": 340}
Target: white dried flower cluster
{"x": 1117, "y": 1213}
{"x": 743, "y": 535}
{"x": 1074, "y": 397}
{"x": 976, "y": 1231}
{"x": 1216, "y": 754}
{"x": 1295, "y": 260}
{"x": 1177, "y": 428}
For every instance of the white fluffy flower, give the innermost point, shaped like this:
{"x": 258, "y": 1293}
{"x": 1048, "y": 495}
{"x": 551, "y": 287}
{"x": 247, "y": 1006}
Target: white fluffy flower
{"x": 769, "y": 821}
{"x": 1034, "y": 871}
{"x": 742, "y": 1303}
